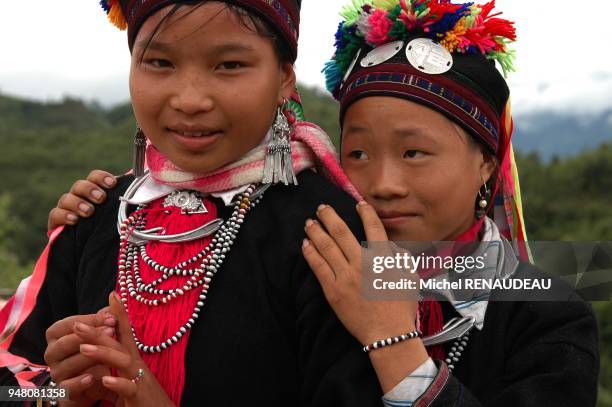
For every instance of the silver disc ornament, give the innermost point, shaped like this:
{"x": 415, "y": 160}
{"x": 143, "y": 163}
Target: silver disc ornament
{"x": 428, "y": 56}
{"x": 382, "y": 54}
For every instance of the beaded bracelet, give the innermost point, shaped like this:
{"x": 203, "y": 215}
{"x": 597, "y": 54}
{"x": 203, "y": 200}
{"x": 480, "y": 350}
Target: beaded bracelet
{"x": 391, "y": 341}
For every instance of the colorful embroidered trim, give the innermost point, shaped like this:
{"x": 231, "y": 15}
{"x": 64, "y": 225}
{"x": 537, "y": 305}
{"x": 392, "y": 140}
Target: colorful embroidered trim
{"x": 282, "y": 11}
{"x": 410, "y": 80}
{"x": 460, "y": 28}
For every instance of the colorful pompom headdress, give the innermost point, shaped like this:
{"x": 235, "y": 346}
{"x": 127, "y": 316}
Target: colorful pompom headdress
{"x": 282, "y": 15}
{"x": 459, "y": 28}
{"x": 442, "y": 55}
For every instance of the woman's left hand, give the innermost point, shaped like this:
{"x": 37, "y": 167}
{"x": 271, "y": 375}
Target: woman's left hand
{"x": 123, "y": 355}
{"x": 334, "y": 254}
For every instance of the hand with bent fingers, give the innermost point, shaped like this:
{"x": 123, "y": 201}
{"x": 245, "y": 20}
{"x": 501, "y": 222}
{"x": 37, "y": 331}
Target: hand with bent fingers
{"x": 78, "y": 373}
{"x": 122, "y": 354}
{"x": 334, "y": 255}
{"x": 78, "y": 202}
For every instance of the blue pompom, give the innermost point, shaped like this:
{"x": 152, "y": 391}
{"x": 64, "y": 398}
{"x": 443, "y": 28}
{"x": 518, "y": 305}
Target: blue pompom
{"x": 449, "y": 21}
{"x": 333, "y": 75}
{"x": 105, "y": 6}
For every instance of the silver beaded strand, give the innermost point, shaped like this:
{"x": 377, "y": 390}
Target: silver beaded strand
{"x": 456, "y": 350}
{"x": 211, "y": 259}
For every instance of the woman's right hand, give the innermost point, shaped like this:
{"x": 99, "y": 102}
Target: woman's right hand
{"x": 78, "y": 202}
{"x": 70, "y": 369}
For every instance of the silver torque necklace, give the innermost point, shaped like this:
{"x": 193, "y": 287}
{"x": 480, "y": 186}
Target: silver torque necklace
{"x": 141, "y": 237}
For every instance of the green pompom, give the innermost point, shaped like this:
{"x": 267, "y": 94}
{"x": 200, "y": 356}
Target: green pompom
{"x": 296, "y": 109}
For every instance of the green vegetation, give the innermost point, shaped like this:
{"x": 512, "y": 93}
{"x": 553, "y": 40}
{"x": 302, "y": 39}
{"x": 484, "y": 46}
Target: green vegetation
{"x": 568, "y": 199}
{"x": 12, "y": 271}
{"x": 46, "y": 147}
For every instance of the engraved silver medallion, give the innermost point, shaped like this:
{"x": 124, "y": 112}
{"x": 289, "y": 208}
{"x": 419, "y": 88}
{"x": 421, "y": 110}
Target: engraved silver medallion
{"x": 188, "y": 202}
{"x": 429, "y": 57}
{"x": 382, "y": 54}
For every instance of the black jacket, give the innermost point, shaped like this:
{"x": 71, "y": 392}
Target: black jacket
{"x": 265, "y": 336}
{"x": 538, "y": 353}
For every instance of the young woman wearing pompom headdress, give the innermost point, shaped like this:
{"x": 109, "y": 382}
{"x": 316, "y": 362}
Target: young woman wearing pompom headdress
{"x": 426, "y": 141}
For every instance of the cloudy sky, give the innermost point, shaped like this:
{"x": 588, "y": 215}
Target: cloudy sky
{"x": 49, "y": 49}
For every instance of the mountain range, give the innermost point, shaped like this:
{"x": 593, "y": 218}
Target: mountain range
{"x": 553, "y": 134}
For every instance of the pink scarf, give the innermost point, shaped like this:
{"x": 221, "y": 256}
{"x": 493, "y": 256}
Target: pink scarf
{"x": 310, "y": 146}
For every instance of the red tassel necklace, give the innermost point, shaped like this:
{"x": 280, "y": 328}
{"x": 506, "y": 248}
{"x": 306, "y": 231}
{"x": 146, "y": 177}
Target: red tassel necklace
{"x": 163, "y": 285}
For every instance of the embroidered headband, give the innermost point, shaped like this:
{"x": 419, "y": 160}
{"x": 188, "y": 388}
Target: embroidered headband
{"x": 434, "y": 52}
{"x": 282, "y": 15}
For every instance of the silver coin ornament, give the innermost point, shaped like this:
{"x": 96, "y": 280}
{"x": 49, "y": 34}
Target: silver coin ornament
{"x": 382, "y": 54}
{"x": 428, "y": 56}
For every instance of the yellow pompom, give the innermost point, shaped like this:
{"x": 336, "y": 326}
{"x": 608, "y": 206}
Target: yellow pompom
{"x": 453, "y": 37}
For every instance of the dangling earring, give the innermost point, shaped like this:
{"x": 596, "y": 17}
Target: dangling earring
{"x": 483, "y": 201}
{"x": 140, "y": 146}
{"x": 278, "y": 166}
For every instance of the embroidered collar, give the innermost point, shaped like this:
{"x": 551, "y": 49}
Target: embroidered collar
{"x": 151, "y": 190}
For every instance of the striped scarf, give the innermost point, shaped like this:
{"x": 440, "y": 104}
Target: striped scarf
{"x": 310, "y": 148}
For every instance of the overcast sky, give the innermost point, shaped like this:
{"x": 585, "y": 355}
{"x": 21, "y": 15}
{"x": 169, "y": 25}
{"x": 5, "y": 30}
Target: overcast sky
{"x": 49, "y": 49}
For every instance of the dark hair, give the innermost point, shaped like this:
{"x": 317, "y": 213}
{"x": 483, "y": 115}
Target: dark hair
{"x": 248, "y": 19}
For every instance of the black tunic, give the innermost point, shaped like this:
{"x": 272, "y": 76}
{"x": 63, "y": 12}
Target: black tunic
{"x": 266, "y": 336}
{"x": 538, "y": 353}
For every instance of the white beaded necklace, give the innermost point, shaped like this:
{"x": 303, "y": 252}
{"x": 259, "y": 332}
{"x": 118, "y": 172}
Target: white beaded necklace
{"x": 210, "y": 260}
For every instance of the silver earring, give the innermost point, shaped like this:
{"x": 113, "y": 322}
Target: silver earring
{"x": 278, "y": 166}
{"x": 483, "y": 201}
{"x": 140, "y": 146}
